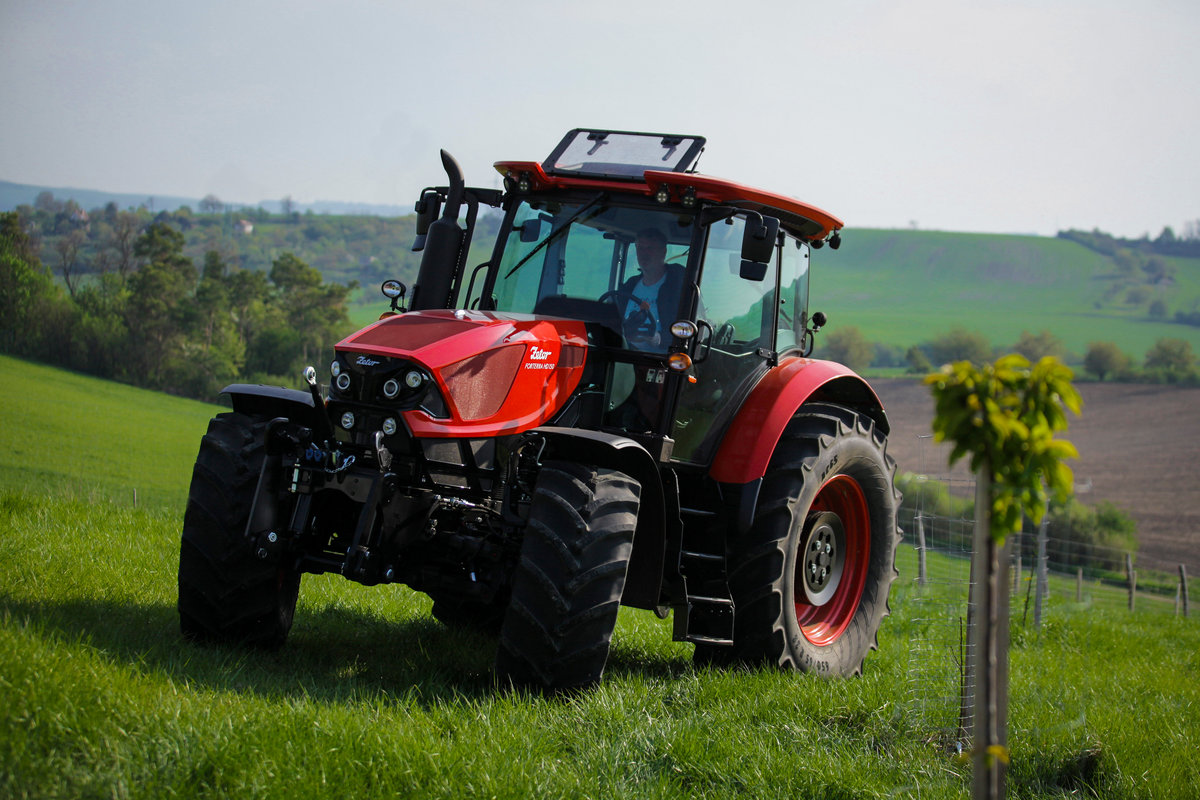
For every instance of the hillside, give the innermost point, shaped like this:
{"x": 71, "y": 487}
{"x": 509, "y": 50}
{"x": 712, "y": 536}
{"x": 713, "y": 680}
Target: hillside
{"x": 904, "y": 287}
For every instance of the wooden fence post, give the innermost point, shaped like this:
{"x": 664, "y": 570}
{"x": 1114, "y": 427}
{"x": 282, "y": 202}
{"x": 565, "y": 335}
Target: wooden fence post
{"x": 1129, "y": 571}
{"x": 1079, "y": 585}
{"x": 1016, "y": 582}
{"x": 1183, "y": 589}
{"x": 989, "y": 650}
{"x": 921, "y": 574}
{"x": 1040, "y": 567}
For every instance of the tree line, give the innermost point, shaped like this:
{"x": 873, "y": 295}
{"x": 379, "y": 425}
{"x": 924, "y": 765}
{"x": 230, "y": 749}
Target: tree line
{"x": 1170, "y": 360}
{"x": 151, "y": 317}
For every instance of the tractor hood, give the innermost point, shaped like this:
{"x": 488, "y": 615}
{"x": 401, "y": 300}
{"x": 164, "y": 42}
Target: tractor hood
{"x": 496, "y": 373}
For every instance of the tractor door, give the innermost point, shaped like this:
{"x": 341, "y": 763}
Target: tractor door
{"x": 742, "y": 328}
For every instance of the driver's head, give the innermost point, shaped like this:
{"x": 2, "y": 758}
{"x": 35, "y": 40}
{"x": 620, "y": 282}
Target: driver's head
{"x": 651, "y": 251}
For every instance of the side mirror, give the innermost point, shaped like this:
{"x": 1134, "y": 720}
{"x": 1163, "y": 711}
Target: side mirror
{"x": 428, "y": 207}
{"x": 531, "y": 230}
{"x": 394, "y": 290}
{"x": 758, "y": 242}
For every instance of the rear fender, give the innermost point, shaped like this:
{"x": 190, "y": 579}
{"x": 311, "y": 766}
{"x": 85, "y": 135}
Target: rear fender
{"x": 275, "y": 401}
{"x": 611, "y": 451}
{"x": 750, "y": 440}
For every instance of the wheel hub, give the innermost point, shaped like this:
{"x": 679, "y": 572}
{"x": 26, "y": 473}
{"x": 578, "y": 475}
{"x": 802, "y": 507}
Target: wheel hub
{"x": 822, "y": 556}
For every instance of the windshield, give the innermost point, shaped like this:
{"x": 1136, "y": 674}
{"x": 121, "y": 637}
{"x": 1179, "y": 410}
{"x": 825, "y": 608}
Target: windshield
{"x": 595, "y": 260}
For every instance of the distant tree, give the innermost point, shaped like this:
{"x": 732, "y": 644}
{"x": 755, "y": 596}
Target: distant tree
{"x": 1043, "y": 344}
{"x": 158, "y": 307}
{"x": 34, "y": 315}
{"x": 1157, "y": 270}
{"x": 312, "y": 308}
{"x": 1104, "y": 359}
{"x": 848, "y": 346}
{"x": 286, "y": 206}
{"x": 1172, "y": 359}
{"x": 1137, "y": 295}
{"x": 918, "y": 362}
{"x": 122, "y": 239}
{"x": 67, "y": 247}
{"x": 211, "y": 204}
{"x": 45, "y": 202}
{"x": 960, "y": 344}
{"x": 1158, "y": 309}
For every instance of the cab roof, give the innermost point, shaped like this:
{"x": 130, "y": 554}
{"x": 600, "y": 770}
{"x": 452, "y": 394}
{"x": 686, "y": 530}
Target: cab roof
{"x": 657, "y": 165}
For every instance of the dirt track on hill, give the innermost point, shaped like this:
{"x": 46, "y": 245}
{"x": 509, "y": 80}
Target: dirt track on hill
{"x": 1139, "y": 447}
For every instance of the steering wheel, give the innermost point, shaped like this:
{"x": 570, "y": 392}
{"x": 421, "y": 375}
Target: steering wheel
{"x": 639, "y": 324}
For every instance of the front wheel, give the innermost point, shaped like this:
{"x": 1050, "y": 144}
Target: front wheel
{"x": 810, "y": 579}
{"x": 568, "y": 583}
{"x": 226, "y": 592}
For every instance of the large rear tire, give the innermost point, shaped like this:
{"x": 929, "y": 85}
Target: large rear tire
{"x": 810, "y": 579}
{"x": 567, "y": 587}
{"x": 226, "y": 593}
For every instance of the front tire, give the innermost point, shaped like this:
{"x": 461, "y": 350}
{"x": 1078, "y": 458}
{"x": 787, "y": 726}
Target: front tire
{"x": 810, "y": 579}
{"x": 226, "y": 593}
{"x": 567, "y": 587}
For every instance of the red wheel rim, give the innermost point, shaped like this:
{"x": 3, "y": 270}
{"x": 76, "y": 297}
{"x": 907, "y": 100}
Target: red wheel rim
{"x": 822, "y": 625}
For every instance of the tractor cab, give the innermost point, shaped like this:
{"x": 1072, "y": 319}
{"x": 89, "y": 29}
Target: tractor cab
{"x": 691, "y": 288}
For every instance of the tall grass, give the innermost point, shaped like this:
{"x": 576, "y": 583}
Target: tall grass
{"x": 99, "y": 695}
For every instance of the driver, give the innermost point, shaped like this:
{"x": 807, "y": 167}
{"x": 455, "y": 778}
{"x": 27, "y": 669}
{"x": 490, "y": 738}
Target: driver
{"x": 654, "y": 295}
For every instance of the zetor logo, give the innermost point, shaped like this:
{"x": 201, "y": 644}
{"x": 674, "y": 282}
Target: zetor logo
{"x": 366, "y": 362}
{"x": 538, "y": 359}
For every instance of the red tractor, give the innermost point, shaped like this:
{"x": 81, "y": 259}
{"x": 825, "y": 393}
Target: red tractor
{"x": 616, "y": 408}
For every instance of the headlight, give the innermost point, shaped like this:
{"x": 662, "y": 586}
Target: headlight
{"x": 413, "y": 379}
{"x": 348, "y": 420}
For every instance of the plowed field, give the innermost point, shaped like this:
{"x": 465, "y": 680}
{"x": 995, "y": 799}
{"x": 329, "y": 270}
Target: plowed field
{"x": 1139, "y": 447}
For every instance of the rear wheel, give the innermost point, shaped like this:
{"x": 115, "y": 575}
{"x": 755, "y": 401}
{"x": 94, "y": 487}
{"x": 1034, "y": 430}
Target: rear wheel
{"x": 227, "y": 593}
{"x": 567, "y": 587}
{"x": 810, "y": 579}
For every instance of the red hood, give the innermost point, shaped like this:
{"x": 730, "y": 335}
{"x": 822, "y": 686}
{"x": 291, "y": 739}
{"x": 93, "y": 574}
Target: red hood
{"x": 500, "y": 373}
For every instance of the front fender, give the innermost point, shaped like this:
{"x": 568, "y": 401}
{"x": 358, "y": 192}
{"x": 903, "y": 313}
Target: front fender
{"x": 274, "y": 401}
{"x": 750, "y": 440}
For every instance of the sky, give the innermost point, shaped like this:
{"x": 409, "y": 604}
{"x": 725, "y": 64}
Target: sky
{"x": 1008, "y": 116}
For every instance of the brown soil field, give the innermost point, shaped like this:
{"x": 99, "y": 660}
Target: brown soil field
{"x": 1139, "y": 448}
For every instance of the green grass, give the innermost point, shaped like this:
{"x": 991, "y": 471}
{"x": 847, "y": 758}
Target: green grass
{"x": 99, "y": 695}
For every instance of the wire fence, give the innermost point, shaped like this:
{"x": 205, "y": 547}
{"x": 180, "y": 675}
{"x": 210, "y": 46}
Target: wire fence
{"x": 1052, "y": 572}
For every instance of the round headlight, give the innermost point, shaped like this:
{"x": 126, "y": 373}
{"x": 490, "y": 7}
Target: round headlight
{"x": 348, "y": 420}
{"x": 389, "y": 426}
{"x": 414, "y": 379}
{"x": 343, "y": 381}
{"x": 335, "y": 368}
{"x": 391, "y": 388}
{"x": 683, "y": 329}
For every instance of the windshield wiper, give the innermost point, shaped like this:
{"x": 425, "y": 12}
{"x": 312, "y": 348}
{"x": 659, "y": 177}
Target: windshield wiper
{"x": 556, "y": 232}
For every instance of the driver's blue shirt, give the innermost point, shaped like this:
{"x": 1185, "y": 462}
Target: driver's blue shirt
{"x": 647, "y": 301}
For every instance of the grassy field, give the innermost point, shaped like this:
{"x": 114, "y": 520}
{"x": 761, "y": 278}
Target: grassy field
{"x": 100, "y": 697}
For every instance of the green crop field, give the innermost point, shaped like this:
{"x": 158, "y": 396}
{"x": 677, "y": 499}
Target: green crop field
{"x": 100, "y": 697}
{"x": 905, "y": 287}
